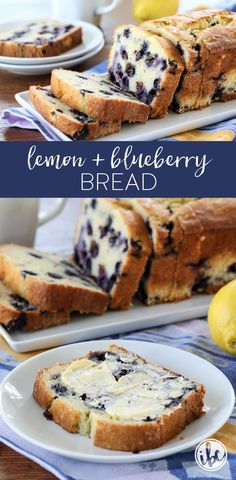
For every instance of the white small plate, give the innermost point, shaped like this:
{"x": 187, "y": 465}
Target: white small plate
{"x": 48, "y": 67}
{"x": 88, "y": 327}
{"x": 172, "y": 124}
{"x": 92, "y": 37}
{"x": 18, "y": 406}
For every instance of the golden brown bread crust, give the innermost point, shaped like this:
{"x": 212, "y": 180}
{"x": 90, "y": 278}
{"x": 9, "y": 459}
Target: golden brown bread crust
{"x": 187, "y": 91}
{"x": 52, "y": 48}
{"x": 71, "y": 127}
{"x": 104, "y": 109}
{"x": 48, "y": 296}
{"x": 114, "y": 435}
{"x": 43, "y": 396}
{"x": 217, "y": 246}
{"x": 203, "y": 38}
{"x": 194, "y": 248}
{"x": 189, "y": 231}
{"x": 133, "y": 269}
{"x": 166, "y": 95}
{"x": 213, "y": 47}
{"x": 145, "y": 436}
{"x": 32, "y": 320}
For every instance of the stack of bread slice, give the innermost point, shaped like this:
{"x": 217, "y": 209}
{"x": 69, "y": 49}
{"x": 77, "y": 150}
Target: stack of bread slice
{"x": 84, "y": 106}
{"x": 39, "y": 289}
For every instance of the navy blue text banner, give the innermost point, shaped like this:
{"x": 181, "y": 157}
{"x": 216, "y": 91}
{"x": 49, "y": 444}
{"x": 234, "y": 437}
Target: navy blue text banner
{"x": 107, "y": 169}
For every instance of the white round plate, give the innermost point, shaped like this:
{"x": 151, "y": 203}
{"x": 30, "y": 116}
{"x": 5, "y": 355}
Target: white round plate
{"x": 92, "y": 37}
{"x": 17, "y": 404}
{"x": 47, "y": 68}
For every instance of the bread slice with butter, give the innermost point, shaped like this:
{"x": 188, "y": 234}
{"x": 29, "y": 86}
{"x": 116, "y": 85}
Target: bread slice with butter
{"x": 118, "y": 399}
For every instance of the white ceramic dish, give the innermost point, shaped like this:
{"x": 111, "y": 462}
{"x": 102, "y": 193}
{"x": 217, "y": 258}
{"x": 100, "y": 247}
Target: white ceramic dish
{"x": 88, "y": 327}
{"x": 17, "y": 404}
{"x": 172, "y": 124}
{"x": 47, "y": 68}
{"x": 92, "y": 37}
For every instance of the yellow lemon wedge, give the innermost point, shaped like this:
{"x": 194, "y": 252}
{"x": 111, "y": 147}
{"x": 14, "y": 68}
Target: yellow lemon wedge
{"x": 152, "y": 9}
{"x": 222, "y": 318}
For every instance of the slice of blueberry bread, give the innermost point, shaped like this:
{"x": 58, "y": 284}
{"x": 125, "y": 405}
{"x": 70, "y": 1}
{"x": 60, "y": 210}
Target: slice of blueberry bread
{"x": 42, "y": 38}
{"x": 147, "y": 65}
{"x": 50, "y": 282}
{"x": 97, "y": 97}
{"x": 118, "y": 399}
{"x": 200, "y": 38}
{"x": 226, "y": 81}
{"x": 76, "y": 125}
{"x": 18, "y": 314}
{"x": 112, "y": 246}
{"x": 168, "y": 277}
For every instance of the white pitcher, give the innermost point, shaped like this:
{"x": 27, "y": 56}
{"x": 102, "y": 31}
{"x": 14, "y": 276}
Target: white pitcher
{"x": 20, "y": 217}
{"x": 86, "y": 10}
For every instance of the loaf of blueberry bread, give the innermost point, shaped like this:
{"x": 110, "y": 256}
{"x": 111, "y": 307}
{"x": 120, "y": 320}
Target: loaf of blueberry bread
{"x": 112, "y": 246}
{"x": 75, "y": 124}
{"x": 97, "y": 97}
{"x": 203, "y": 38}
{"x": 18, "y": 314}
{"x": 42, "y": 38}
{"x": 50, "y": 282}
{"x": 194, "y": 248}
{"x": 147, "y": 65}
{"x": 118, "y": 399}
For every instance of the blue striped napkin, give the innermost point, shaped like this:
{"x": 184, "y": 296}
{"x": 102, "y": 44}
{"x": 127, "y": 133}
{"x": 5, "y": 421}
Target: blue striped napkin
{"x": 192, "y": 336}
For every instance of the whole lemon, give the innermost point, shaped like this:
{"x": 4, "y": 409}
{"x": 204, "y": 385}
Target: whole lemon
{"x": 222, "y": 318}
{"x": 153, "y": 9}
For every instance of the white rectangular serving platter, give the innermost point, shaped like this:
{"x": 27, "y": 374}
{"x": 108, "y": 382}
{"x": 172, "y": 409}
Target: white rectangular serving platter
{"x": 172, "y": 124}
{"x": 88, "y": 327}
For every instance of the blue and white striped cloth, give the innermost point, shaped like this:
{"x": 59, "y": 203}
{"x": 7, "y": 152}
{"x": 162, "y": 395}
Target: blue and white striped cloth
{"x": 192, "y": 336}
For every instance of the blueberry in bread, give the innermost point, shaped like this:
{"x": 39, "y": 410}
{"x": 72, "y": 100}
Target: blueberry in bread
{"x": 18, "y": 314}
{"x": 76, "y": 125}
{"x": 217, "y": 261}
{"x": 97, "y": 97}
{"x": 193, "y": 247}
{"x": 50, "y": 282}
{"x": 226, "y": 81}
{"x": 118, "y": 399}
{"x": 161, "y": 281}
{"x": 202, "y": 38}
{"x": 42, "y": 38}
{"x": 147, "y": 65}
{"x": 112, "y": 246}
